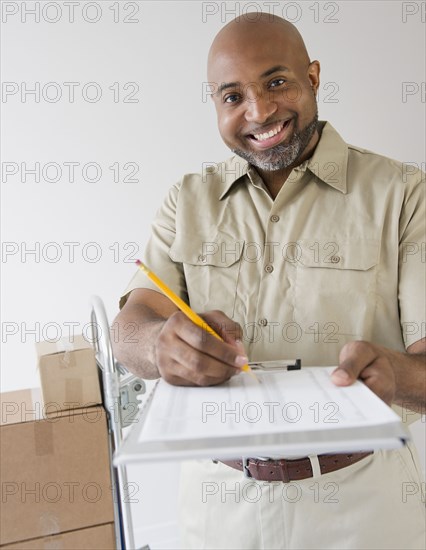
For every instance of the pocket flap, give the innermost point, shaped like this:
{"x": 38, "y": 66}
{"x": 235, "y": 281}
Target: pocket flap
{"x": 219, "y": 251}
{"x": 354, "y": 253}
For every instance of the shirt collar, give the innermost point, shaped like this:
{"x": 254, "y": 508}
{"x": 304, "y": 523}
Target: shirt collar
{"x": 328, "y": 163}
{"x": 232, "y": 170}
{"x": 330, "y": 159}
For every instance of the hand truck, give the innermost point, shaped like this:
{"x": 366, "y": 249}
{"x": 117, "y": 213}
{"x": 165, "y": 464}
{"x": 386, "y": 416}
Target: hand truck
{"x": 120, "y": 391}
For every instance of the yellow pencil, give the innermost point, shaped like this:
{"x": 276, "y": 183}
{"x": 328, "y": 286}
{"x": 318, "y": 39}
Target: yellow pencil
{"x": 195, "y": 318}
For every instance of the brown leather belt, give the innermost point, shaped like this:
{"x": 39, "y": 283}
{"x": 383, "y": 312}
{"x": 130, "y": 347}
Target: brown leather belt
{"x": 291, "y": 470}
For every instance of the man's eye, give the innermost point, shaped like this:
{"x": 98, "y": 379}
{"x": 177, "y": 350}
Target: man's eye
{"x": 231, "y": 98}
{"x": 277, "y": 82}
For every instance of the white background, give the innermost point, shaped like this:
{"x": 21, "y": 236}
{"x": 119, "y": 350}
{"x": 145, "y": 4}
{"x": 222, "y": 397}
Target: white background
{"x": 370, "y": 53}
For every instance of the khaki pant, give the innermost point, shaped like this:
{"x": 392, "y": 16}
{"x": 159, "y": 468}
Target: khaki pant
{"x": 377, "y": 503}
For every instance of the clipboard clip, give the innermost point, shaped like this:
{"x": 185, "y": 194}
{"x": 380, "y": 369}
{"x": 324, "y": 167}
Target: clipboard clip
{"x": 246, "y": 470}
{"x": 281, "y": 364}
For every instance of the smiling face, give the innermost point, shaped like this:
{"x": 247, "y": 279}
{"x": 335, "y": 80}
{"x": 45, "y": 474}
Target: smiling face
{"x": 265, "y": 92}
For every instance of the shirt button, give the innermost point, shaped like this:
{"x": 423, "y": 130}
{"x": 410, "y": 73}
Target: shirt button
{"x": 269, "y": 268}
{"x": 335, "y": 259}
{"x": 274, "y": 218}
{"x": 263, "y": 322}
{"x": 201, "y": 258}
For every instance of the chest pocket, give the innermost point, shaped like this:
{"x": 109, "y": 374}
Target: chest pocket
{"x": 335, "y": 286}
{"x": 212, "y": 268}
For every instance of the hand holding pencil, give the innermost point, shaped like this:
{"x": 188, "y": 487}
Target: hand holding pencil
{"x": 194, "y": 317}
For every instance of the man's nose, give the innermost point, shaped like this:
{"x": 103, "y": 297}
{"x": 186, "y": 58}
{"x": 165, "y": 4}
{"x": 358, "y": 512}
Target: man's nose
{"x": 259, "y": 107}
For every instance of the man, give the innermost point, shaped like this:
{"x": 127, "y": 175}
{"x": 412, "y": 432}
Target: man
{"x": 292, "y": 248}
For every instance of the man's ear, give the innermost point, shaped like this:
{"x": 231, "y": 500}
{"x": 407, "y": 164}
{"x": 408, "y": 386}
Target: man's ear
{"x": 314, "y": 69}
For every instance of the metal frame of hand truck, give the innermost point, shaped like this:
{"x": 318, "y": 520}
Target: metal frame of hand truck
{"x": 120, "y": 391}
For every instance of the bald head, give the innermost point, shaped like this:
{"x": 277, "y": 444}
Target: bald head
{"x": 264, "y": 92}
{"x": 257, "y": 32}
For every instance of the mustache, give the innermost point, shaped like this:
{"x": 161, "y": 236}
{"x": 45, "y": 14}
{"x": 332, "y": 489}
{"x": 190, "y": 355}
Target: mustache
{"x": 282, "y": 155}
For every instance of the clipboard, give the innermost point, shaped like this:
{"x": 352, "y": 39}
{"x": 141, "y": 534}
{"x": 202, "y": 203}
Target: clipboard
{"x": 293, "y": 412}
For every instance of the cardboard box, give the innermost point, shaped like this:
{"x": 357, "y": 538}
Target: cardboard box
{"x": 54, "y": 472}
{"x": 101, "y": 537}
{"x": 69, "y": 375}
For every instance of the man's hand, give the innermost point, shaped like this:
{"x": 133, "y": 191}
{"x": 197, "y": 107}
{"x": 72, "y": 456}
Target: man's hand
{"x": 187, "y": 355}
{"x": 370, "y": 363}
{"x": 164, "y": 342}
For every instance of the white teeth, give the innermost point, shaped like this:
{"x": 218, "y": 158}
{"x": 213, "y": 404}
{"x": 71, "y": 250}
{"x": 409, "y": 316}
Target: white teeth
{"x": 267, "y": 135}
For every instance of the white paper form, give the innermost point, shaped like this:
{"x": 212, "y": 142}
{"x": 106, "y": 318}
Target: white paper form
{"x": 284, "y": 402}
{"x": 290, "y": 413}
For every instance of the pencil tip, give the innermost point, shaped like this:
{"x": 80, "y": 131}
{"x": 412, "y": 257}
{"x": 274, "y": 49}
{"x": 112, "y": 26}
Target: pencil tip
{"x": 249, "y": 371}
{"x": 255, "y": 377}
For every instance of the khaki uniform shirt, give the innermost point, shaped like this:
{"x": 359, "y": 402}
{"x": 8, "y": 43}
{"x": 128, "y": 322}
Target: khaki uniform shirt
{"x": 339, "y": 255}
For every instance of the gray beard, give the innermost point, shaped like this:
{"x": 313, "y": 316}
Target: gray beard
{"x": 281, "y": 156}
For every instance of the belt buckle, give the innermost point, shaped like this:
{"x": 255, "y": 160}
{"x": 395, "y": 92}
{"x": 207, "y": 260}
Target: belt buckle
{"x": 246, "y": 470}
{"x": 284, "y": 470}
{"x": 282, "y": 465}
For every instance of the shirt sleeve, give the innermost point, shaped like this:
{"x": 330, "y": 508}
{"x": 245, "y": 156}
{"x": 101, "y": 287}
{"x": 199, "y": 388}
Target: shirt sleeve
{"x": 156, "y": 254}
{"x": 412, "y": 261}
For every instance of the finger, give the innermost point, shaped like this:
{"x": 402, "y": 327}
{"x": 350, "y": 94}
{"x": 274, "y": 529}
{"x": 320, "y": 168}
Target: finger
{"x": 380, "y": 378}
{"x": 208, "y": 375}
{"x": 202, "y": 364}
{"x": 188, "y": 355}
{"x": 200, "y": 340}
{"x": 180, "y": 376}
{"x": 174, "y": 373}
{"x": 194, "y": 373}
{"x": 354, "y": 358}
{"x": 180, "y": 358}
{"x": 240, "y": 348}
{"x": 229, "y": 330}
